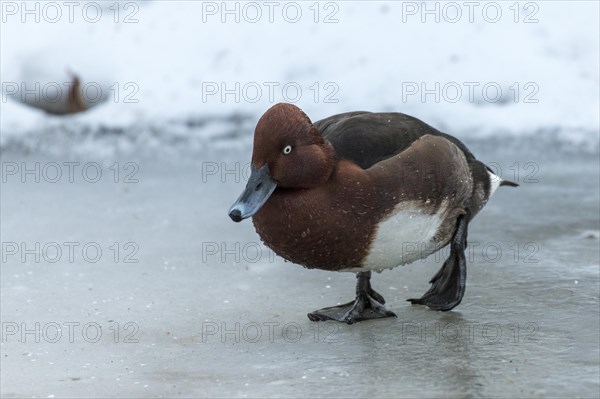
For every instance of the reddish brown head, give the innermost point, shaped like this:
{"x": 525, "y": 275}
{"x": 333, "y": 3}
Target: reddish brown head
{"x": 295, "y": 152}
{"x": 289, "y": 152}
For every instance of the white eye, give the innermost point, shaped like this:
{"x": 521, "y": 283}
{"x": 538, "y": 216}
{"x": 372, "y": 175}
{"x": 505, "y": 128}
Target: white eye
{"x": 287, "y": 149}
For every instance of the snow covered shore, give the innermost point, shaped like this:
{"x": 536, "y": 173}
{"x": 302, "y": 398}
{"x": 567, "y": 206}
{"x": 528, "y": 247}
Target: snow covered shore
{"x": 164, "y": 72}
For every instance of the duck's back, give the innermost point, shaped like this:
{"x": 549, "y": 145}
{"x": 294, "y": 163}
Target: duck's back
{"x": 368, "y": 138}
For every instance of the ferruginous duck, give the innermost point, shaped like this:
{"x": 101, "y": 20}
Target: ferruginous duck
{"x": 361, "y": 192}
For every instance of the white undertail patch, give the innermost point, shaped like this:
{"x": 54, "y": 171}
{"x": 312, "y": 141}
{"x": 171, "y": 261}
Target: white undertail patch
{"x": 494, "y": 183}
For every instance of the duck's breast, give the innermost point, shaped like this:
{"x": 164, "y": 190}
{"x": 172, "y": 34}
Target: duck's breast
{"x": 328, "y": 227}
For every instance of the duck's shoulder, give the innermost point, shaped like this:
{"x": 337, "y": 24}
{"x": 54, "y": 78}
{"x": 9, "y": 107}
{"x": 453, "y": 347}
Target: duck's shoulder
{"x": 367, "y": 138}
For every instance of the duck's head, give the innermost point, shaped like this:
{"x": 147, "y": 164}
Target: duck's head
{"x": 289, "y": 152}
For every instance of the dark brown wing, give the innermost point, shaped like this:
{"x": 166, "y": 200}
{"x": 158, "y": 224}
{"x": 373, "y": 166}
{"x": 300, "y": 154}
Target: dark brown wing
{"x": 368, "y": 138}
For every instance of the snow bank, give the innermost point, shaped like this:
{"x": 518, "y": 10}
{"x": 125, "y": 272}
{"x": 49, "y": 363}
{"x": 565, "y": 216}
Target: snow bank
{"x": 172, "y": 71}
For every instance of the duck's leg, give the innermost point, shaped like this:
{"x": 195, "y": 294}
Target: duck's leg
{"x": 448, "y": 285}
{"x": 367, "y": 305}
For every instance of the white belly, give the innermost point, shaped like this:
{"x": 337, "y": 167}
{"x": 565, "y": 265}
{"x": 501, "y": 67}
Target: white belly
{"x": 406, "y": 236}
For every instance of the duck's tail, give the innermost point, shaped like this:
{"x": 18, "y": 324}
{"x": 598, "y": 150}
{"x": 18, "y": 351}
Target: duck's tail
{"x": 508, "y": 183}
{"x": 497, "y": 181}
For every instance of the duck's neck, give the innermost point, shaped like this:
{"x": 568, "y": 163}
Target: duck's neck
{"x": 332, "y": 160}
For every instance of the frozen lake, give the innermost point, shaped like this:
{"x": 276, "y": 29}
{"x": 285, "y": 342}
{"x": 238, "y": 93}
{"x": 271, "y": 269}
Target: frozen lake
{"x": 122, "y": 275}
{"x": 139, "y": 285}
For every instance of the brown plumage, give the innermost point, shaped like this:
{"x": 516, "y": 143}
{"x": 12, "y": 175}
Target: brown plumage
{"x": 347, "y": 192}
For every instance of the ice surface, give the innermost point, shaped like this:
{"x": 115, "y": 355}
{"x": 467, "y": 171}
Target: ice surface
{"x": 205, "y": 324}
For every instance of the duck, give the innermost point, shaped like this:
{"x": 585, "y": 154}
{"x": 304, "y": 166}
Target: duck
{"x": 74, "y": 102}
{"x": 363, "y": 192}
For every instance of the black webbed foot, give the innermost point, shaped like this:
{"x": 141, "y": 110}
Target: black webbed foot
{"x": 448, "y": 285}
{"x": 364, "y": 307}
{"x": 369, "y": 304}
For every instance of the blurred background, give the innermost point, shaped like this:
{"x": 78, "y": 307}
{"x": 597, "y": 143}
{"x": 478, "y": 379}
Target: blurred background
{"x": 192, "y": 72}
{"x": 125, "y": 135}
